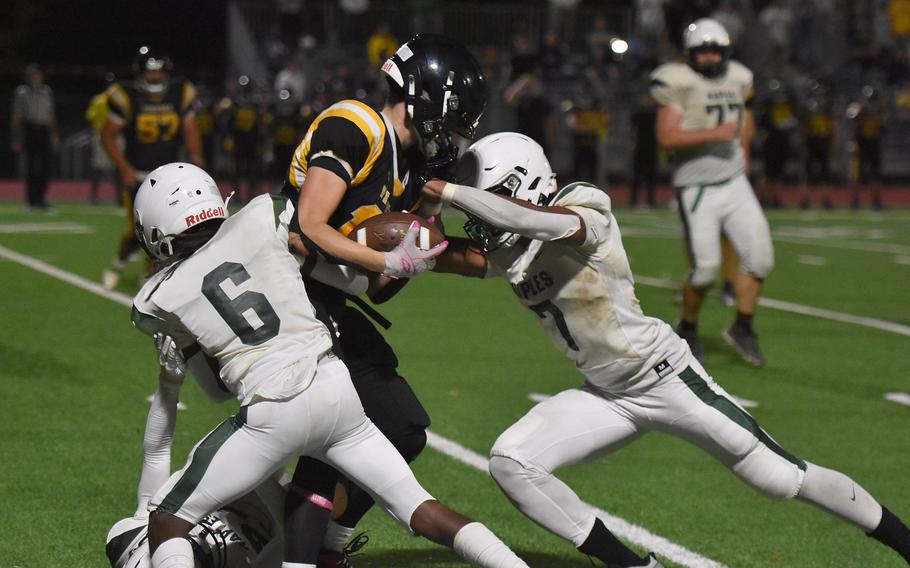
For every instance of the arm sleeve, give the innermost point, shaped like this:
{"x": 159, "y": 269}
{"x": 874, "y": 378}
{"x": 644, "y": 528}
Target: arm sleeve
{"x": 535, "y": 224}
{"x": 340, "y": 146}
{"x": 156, "y": 444}
{"x": 346, "y": 278}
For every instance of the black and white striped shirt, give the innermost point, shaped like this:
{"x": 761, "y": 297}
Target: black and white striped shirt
{"x": 36, "y": 106}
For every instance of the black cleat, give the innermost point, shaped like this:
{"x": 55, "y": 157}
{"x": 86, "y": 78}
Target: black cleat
{"x": 691, "y": 337}
{"x": 342, "y": 559}
{"x": 745, "y": 342}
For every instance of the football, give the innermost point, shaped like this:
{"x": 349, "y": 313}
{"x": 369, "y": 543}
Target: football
{"x": 384, "y": 232}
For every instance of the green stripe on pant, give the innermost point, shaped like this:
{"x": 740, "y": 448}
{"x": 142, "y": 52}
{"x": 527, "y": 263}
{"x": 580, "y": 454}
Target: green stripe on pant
{"x": 201, "y": 459}
{"x": 725, "y": 406}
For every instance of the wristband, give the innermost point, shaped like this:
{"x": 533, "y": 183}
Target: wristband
{"x": 448, "y": 192}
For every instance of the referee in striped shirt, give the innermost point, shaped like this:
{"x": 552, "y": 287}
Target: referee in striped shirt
{"x": 34, "y": 131}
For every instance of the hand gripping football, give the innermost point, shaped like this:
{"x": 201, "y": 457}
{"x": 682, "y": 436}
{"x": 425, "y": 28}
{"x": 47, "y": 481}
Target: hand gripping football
{"x": 384, "y": 232}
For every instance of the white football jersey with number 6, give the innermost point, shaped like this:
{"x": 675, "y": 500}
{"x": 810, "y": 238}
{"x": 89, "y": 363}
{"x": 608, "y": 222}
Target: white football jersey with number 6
{"x": 240, "y": 296}
{"x": 585, "y": 299}
{"x": 704, "y": 103}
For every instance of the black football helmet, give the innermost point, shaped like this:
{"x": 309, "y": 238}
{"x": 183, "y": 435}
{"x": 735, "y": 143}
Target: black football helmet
{"x": 148, "y": 59}
{"x": 444, "y": 92}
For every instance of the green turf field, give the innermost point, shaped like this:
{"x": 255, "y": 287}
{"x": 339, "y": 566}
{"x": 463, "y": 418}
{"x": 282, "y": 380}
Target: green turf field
{"x": 75, "y": 376}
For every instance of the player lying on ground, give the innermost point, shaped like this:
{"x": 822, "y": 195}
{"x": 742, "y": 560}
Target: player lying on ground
{"x": 232, "y": 286}
{"x": 563, "y": 255}
{"x": 244, "y": 533}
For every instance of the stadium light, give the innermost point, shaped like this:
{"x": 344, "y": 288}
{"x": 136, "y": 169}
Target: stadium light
{"x": 619, "y": 46}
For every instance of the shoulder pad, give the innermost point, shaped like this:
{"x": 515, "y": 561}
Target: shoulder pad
{"x": 669, "y": 81}
{"x": 739, "y": 71}
{"x": 583, "y": 194}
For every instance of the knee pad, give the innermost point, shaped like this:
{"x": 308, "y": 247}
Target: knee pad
{"x": 506, "y": 471}
{"x": 759, "y": 261}
{"x": 770, "y": 474}
{"x": 703, "y": 277}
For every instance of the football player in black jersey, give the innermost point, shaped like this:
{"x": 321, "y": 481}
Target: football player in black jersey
{"x": 353, "y": 163}
{"x": 154, "y": 112}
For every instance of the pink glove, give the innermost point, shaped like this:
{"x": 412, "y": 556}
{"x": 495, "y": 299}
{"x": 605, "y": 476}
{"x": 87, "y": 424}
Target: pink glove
{"x": 407, "y": 260}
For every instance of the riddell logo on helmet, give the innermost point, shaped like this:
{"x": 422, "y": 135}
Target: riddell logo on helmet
{"x": 205, "y": 214}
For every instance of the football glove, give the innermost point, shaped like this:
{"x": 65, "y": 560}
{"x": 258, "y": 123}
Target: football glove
{"x": 171, "y": 361}
{"x": 407, "y": 260}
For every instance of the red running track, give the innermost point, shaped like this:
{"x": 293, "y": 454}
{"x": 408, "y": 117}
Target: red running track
{"x": 78, "y": 190}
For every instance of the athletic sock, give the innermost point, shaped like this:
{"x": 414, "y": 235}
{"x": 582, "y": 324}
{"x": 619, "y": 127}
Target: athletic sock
{"x": 296, "y": 565}
{"x": 744, "y": 321}
{"x": 688, "y": 325}
{"x": 173, "y": 553}
{"x": 306, "y": 516}
{"x": 478, "y": 545}
{"x": 892, "y": 532}
{"x": 604, "y": 546}
{"x": 337, "y": 536}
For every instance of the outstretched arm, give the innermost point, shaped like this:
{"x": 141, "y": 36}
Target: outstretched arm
{"x": 160, "y": 424}
{"x": 512, "y": 215}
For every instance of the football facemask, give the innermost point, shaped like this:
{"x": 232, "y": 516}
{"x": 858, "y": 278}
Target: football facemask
{"x": 509, "y": 164}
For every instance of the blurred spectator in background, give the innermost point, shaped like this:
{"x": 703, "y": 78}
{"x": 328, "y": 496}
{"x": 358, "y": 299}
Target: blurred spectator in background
{"x": 777, "y": 23}
{"x": 818, "y": 137}
{"x": 533, "y": 111}
{"x": 34, "y": 134}
{"x": 780, "y": 123}
{"x": 102, "y": 168}
{"x": 871, "y": 115}
{"x": 644, "y": 161}
{"x": 899, "y": 18}
{"x": 562, "y": 16}
{"x": 600, "y": 35}
{"x": 292, "y": 79}
{"x": 381, "y": 45}
{"x": 553, "y": 55}
{"x": 524, "y": 58}
{"x": 588, "y": 120}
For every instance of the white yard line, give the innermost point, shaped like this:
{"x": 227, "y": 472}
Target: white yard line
{"x": 621, "y": 527}
{"x": 671, "y": 231}
{"x": 795, "y": 308}
{"x": 898, "y": 397}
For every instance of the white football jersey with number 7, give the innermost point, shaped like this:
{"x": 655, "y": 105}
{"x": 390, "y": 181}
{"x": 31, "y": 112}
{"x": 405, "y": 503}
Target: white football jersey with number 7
{"x": 585, "y": 299}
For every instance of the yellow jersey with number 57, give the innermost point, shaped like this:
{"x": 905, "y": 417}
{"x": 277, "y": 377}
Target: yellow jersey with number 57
{"x": 705, "y": 103}
{"x": 152, "y": 122}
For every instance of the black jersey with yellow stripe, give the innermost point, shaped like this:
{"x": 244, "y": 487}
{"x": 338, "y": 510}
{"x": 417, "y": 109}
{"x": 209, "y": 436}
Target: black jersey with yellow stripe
{"x": 152, "y": 122}
{"x": 359, "y": 145}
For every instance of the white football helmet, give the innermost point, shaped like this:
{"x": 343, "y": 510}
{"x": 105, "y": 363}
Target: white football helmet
{"x": 172, "y": 199}
{"x": 506, "y": 163}
{"x": 707, "y": 34}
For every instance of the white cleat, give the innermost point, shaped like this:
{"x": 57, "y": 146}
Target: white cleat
{"x": 110, "y": 278}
